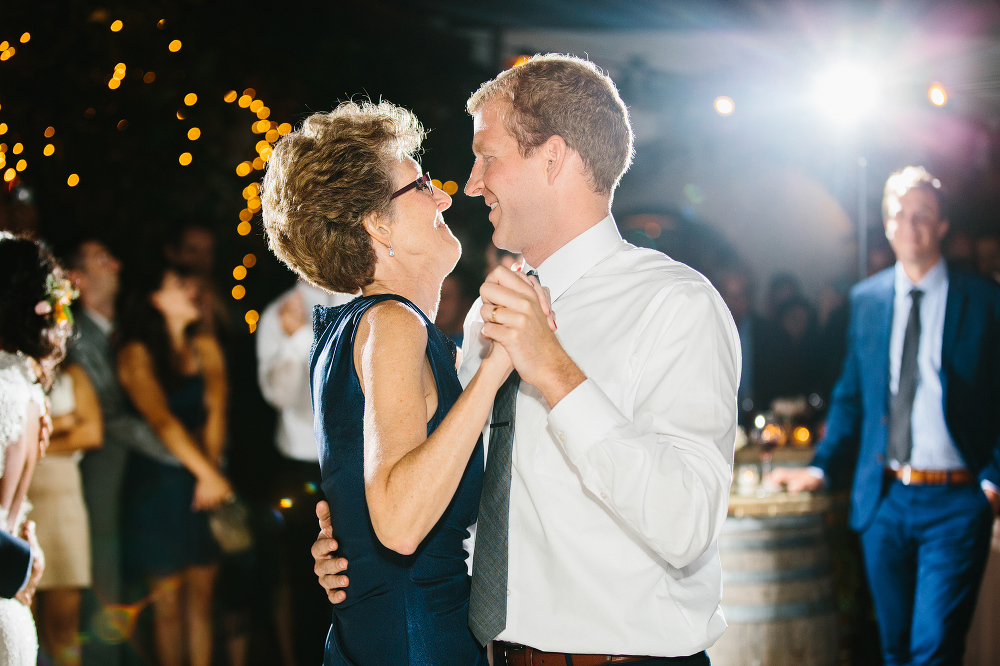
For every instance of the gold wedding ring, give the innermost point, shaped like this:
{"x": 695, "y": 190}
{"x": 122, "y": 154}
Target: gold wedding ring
{"x": 493, "y": 315}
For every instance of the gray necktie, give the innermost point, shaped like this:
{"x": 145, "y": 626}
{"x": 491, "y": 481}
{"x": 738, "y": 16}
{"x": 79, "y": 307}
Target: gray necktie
{"x": 488, "y": 597}
{"x": 900, "y": 435}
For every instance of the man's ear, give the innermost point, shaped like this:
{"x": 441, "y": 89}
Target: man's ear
{"x": 377, "y": 228}
{"x": 555, "y": 151}
{"x": 943, "y": 229}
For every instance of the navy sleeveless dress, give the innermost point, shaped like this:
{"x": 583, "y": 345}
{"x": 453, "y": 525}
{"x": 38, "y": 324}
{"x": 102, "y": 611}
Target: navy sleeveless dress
{"x": 161, "y": 534}
{"x": 400, "y": 609}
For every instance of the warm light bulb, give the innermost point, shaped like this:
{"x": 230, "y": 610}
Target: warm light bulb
{"x": 937, "y": 95}
{"x": 250, "y": 260}
{"x": 230, "y": 96}
{"x": 48, "y": 150}
{"x": 116, "y": 26}
{"x": 239, "y": 291}
{"x": 49, "y": 132}
{"x": 73, "y": 180}
{"x": 243, "y": 228}
{"x": 184, "y": 159}
{"x": 174, "y": 46}
{"x": 190, "y": 99}
{"x": 240, "y": 272}
{"x": 194, "y": 133}
{"x": 724, "y": 106}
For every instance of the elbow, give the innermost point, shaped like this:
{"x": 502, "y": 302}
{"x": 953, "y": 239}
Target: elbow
{"x": 396, "y": 537}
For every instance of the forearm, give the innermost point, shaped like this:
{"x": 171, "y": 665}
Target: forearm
{"x": 85, "y": 437}
{"x": 562, "y": 376}
{"x": 179, "y": 443}
{"x": 215, "y": 436}
{"x": 410, "y": 498}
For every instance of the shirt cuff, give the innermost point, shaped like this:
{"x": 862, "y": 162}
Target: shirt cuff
{"x": 27, "y": 575}
{"x": 989, "y": 485}
{"x": 818, "y": 473}
{"x": 583, "y": 417}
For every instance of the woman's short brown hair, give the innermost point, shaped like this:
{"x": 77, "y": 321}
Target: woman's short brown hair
{"x": 324, "y": 179}
{"x": 563, "y": 95}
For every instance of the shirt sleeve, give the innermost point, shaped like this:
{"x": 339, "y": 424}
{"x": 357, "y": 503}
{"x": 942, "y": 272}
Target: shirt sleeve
{"x": 666, "y": 469}
{"x": 282, "y": 359}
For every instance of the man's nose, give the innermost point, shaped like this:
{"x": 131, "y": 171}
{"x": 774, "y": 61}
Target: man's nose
{"x": 473, "y": 187}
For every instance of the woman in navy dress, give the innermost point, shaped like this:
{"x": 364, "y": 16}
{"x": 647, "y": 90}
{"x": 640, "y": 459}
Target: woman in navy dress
{"x": 346, "y": 206}
{"x": 175, "y": 378}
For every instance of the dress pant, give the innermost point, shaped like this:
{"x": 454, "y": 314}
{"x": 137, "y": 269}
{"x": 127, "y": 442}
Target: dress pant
{"x": 925, "y": 553}
{"x": 102, "y": 472}
{"x": 298, "y": 483}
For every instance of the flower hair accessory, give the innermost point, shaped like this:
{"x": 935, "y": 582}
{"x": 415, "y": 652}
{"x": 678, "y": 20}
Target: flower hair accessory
{"x": 59, "y": 293}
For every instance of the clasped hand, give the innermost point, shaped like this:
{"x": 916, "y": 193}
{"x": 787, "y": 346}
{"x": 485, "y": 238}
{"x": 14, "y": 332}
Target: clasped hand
{"x": 517, "y": 314}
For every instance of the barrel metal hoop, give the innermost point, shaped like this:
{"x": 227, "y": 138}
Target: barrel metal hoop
{"x": 775, "y": 543}
{"x": 784, "y": 611}
{"x": 731, "y": 577}
{"x": 736, "y": 525}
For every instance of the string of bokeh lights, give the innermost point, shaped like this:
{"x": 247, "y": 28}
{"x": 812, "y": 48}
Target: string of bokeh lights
{"x": 271, "y": 130}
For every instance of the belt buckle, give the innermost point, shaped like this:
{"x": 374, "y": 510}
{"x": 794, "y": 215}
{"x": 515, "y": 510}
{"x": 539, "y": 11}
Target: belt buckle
{"x": 907, "y": 472}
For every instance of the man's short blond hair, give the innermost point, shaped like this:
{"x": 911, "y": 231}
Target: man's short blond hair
{"x": 911, "y": 178}
{"x": 563, "y": 95}
{"x": 324, "y": 179}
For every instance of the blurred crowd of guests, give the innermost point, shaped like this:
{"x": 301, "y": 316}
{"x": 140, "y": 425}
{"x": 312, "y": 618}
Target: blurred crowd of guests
{"x": 133, "y": 502}
{"x": 140, "y": 414}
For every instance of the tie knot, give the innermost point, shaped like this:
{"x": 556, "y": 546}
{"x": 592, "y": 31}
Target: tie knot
{"x": 916, "y": 295}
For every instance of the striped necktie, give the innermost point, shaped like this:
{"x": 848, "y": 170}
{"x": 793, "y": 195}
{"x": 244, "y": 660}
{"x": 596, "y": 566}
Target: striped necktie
{"x": 488, "y": 597}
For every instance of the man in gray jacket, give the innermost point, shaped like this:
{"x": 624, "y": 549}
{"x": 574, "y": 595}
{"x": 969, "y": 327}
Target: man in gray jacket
{"x": 94, "y": 271}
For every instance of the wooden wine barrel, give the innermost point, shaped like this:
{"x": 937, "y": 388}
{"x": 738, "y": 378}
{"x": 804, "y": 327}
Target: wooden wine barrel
{"x": 778, "y": 591}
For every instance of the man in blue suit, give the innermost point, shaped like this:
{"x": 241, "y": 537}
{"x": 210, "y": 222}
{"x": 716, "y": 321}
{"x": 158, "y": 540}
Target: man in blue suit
{"x": 20, "y": 566}
{"x": 915, "y": 413}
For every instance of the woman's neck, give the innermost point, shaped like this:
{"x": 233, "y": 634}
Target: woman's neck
{"x": 425, "y": 294}
{"x": 176, "y": 331}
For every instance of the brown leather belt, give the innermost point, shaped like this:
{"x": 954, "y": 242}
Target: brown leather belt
{"x": 512, "y": 654}
{"x": 931, "y": 477}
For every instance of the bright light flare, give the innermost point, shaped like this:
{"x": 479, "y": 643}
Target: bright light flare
{"x": 937, "y": 94}
{"x": 724, "y": 106}
{"x": 847, "y": 92}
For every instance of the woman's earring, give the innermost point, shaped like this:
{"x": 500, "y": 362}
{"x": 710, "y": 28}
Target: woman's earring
{"x": 392, "y": 253}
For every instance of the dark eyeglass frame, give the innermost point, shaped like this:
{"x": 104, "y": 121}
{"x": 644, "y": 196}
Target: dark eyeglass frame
{"x": 421, "y": 183}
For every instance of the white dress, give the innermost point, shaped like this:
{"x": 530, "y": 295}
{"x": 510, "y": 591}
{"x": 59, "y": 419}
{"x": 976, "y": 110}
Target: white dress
{"x": 18, "y": 640}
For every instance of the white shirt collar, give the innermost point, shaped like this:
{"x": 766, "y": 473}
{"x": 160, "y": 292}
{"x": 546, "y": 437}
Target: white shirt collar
{"x": 934, "y": 279}
{"x": 102, "y": 322}
{"x": 570, "y": 262}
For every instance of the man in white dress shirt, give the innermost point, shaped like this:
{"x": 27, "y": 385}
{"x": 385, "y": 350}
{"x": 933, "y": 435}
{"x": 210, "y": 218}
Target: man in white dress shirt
{"x": 284, "y": 338}
{"x": 625, "y": 417}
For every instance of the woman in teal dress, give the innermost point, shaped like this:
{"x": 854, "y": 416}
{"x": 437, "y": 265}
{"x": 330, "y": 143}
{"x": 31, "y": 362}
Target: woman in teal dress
{"x": 347, "y": 207}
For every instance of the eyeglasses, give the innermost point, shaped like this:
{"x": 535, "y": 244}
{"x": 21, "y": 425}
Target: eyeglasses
{"x": 421, "y": 183}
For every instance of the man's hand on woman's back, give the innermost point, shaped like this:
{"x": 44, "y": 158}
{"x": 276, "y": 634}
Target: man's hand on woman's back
{"x": 329, "y": 568}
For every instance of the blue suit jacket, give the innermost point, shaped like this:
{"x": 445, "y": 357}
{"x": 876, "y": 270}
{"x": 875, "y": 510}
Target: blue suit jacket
{"x": 857, "y": 423}
{"x": 15, "y": 564}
